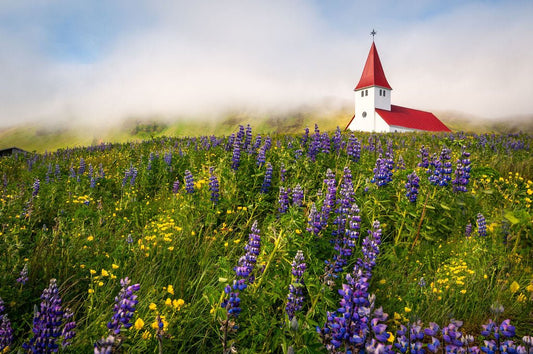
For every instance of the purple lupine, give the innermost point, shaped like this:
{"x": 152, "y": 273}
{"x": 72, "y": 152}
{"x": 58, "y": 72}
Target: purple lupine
{"x": 150, "y": 160}
{"x": 337, "y": 139}
{"x": 451, "y": 335}
{"x": 313, "y": 221}
{"x": 401, "y": 163}
{"x": 68, "y": 331}
{"x": 23, "y": 275}
{"x": 214, "y": 186}
{"x": 130, "y": 174}
{"x": 468, "y": 230}
{"x": 36, "y": 187}
{"x": 236, "y": 158}
{"x": 353, "y": 149}
{"x": 189, "y": 182}
{"x": 295, "y": 298}
{"x": 382, "y": 173}
{"x": 325, "y": 145}
{"x": 124, "y": 307}
{"x": 81, "y": 169}
{"x": 48, "y": 322}
{"x": 481, "y": 225}
{"x": 257, "y": 142}
{"x": 267, "y": 181}
{"x": 168, "y": 158}
{"x": 304, "y": 138}
{"x": 175, "y": 186}
{"x": 6, "y": 332}
{"x": 247, "y": 137}
{"x": 349, "y": 324}
{"x": 261, "y": 156}
{"x": 433, "y": 331}
{"x": 282, "y": 172}
{"x": 105, "y": 345}
{"x": 412, "y": 186}
{"x": 315, "y": 144}
{"x": 462, "y": 173}
{"x": 297, "y": 196}
{"x": 424, "y": 154}
{"x": 409, "y": 339}
{"x": 283, "y": 200}
{"x": 243, "y": 272}
{"x": 441, "y": 174}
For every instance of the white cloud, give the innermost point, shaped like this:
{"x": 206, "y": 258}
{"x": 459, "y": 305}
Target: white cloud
{"x": 201, "y": 57}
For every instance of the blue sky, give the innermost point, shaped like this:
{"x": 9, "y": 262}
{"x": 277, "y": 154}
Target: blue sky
{"x": 99, "y": 61}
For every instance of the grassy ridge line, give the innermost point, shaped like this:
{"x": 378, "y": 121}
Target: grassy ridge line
{"x": 40, "y": 139}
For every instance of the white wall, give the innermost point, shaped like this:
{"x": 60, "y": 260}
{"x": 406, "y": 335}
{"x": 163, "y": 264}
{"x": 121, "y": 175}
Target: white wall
{"x": 368, "y": 103}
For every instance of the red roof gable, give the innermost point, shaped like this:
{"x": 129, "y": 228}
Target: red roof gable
{"x": 412, "y": 118}
{"x": 373, "y": 74}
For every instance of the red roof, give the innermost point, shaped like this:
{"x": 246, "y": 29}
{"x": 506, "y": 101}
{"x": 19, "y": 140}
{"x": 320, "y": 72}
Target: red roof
{"x": 412, "y": 118}
{"x": 373, "y": 74}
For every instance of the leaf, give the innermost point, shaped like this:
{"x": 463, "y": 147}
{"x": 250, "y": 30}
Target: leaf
{"x": 222, "y": 280}
{"x": 445, "y": 207}
{"x": 510, "y": 216}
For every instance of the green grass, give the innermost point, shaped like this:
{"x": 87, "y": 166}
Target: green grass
{"x": 78, "y": 233}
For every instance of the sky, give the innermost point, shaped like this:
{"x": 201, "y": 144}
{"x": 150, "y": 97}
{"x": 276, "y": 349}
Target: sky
{"x": 99, "y": 61}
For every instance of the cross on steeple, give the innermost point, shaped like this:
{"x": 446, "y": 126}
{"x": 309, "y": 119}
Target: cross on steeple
{"x": 373, "y": 33}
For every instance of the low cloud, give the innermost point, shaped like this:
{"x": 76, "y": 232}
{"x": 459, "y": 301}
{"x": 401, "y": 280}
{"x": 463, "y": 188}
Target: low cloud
{"x": 183, "y": 59}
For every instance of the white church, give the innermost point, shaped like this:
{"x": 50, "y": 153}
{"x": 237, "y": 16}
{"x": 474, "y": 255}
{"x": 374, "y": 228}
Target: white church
{"x": 374, "y": 111}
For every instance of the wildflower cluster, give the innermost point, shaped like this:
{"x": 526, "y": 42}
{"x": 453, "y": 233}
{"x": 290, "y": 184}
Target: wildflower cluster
{"x": 295, "y": 298}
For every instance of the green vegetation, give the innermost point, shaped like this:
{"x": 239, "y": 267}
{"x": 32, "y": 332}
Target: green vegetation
{"x": 90, "y": 216}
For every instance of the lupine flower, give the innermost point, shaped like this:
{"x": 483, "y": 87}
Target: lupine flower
{"x": 349, "y": 325}
{"x": 283, "y": 200}
{"x": 36, "y": 186}
{"x": 261, "y": 156}
{"x": 481, "y": 225}
{"x": 236, "y": 158}
{"x": 175, "y": 186}
{"x": 313, "y": 221}
{"x": 382, "y": 171}
{"x": 68, "y": 331}
{"x": 6, "y": 332}
{"x": 48, "y": 323}
{"x": 325, "y": 143}
{"x": 295, "y": 298}
{"x": 105, "y": 345}
{"x": 442, "y": 168}
{"x": 189, "y": 182}
{"x": 315, "y": 145}
{"x": 124, "y": 308}
{"x": 297, "y": 195}
{"x": 282, "y": 172}
{"x": 213, "y": 186}
{"x": 81, "y": 169}
{"x": 468, "y": 230}
{"x": 267, "y": 181}
{"x": 168, "y": 158}
{"x": 305, "y": 136}
{"x": 353, "y": 150}
{"x": 462, "y": 173}
{"x": 23, "y": 275}
{"x": 451, "y": 336}
{"x": 424, "y": 154}
{"x": 412, "y": 187}
{"x": 243, "y": 272}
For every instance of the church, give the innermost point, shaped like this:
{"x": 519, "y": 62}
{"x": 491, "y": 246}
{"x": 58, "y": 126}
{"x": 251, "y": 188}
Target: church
{"x": 374, "y": 111}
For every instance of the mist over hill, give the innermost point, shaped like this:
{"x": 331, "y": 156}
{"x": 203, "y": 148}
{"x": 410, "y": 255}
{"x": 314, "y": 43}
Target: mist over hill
{"x": 49, "y": 137}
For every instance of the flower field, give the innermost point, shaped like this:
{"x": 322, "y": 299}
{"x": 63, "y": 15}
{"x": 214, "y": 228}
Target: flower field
{"x": 308, "y": 243}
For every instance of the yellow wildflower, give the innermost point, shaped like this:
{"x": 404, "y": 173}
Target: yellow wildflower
{"x": 114, "y": 266}
{"x": 391, "y": 337}
{"x": 105, "y": 273}
{"x": 92, "y": 271}
{"x": 521, "y": 298}
{"x": 100, "y": 283}
{"x": 514, "y": 287}
{"x": 530, "y": 288}
{"x": 90, "y": 238}
{"x": 139, "y": 324}
{"x": 407, "y": 309}
{"x": 90, "y": 291}
{"x": 168, "y": 302}
{"x": 170, "y": 289}
{"x": 463, "y": 291}
{"x": 146, "y": 335}
{"x": 178, "y": 303}
{"x": 152, "y": 306}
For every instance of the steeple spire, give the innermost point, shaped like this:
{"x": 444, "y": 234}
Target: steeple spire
{"x": 373, "y": 33}
{"x": 373, "y": 74}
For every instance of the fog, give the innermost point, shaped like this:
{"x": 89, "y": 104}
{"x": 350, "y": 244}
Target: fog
{"x": 100, "y": 62}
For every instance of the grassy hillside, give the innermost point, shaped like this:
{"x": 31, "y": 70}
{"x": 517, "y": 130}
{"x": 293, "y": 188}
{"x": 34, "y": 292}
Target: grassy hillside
{"x": 42, "y": 138}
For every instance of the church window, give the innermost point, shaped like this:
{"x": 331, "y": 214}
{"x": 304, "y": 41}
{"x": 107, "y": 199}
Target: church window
{"x": 364, "y": 114}
{"x": 366, "y": 92}
{"x": 384, "y": 93}
{"x": 362, "y": 93}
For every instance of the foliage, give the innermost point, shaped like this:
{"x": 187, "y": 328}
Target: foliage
{"x": 174, "y": 214}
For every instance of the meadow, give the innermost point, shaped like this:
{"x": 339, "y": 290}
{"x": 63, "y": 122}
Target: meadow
{"x": 320, "y": 241}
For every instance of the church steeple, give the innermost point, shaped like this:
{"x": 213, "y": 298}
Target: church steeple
{"x": 373, "y": 74}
